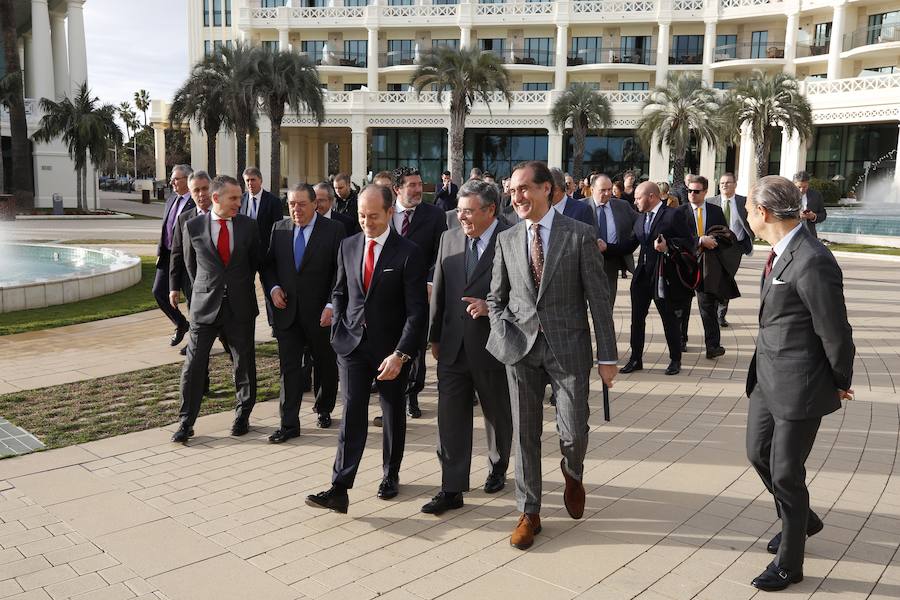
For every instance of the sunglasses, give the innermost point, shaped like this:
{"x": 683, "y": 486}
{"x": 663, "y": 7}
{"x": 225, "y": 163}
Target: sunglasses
{"x": 695, "y": 191}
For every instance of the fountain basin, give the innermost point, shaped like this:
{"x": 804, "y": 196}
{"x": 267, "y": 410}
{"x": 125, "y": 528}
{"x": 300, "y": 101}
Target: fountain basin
{"x": 878, "y": 226}
{"x": 39, "y": 275}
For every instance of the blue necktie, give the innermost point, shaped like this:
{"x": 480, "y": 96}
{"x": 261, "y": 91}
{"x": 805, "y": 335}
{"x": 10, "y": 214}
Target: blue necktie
{"x": 299, "y": 248}
{"x": 647, "y": 220}
{"x": 601, "y": 222}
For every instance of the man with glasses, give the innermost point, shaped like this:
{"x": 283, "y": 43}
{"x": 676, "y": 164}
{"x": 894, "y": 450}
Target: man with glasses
{"x": 615, "y": 230}
{"x": 734, "y": 206}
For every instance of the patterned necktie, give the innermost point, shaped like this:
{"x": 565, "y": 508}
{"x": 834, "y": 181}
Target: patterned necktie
{"x": 224, "y": 242}
{"x": 299, "y": 248}
{"x": 537, "y": 256}
{"x": 727, "y": 211}
{"x": 472, "y": 259}
{"x": 769, "y": 264}
{"x": 648, "y": 219}
{"x": 700, "y": 220}
{"x": 407, "y": 216}
{"x": 601, "y": 222}
{"x": 370, "y": 266}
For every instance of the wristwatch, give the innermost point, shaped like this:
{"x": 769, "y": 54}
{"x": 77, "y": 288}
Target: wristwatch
{"x": 404, "y": 358}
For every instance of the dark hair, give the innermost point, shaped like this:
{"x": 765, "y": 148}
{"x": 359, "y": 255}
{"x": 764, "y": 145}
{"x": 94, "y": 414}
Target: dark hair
{"x": 399, "y": 175}
{"x": 302, "y": 187}
{"x": 728, "y": 174}
{"x": 540, "y": 173}
{"x": 699, "y": 179}
{"x": 387, "y": 198}
{"x": 447, "y": 173}
{"x": 252, "y": 172}
{"x": 342, "y": 177}
{"x": 801, "y": 176}
{"x": 220, "y": 182}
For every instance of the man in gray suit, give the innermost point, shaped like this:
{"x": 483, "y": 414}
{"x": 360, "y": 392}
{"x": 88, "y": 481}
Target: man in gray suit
{"x": 734, "y": 206}
{"x": 547, "y": 271}
{"x": 800, "y": 372}
{"x": 221, "y": 254}
{"x": 615, "y": 229}
{"x": 458, "y": 333}
{"x": 812, "y": 205}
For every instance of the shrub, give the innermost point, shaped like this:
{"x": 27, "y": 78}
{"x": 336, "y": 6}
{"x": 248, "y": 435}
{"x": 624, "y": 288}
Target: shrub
{"x": 830, "y": 191}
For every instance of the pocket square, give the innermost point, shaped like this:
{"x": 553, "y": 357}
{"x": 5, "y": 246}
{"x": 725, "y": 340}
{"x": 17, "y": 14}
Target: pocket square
{"x": 778, "y": 282}
{"x": 388, "y": 271}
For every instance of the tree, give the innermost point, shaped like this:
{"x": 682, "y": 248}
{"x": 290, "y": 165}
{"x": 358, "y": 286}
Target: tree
{"x": 87, "y": 128}
{"x": 588, "y": 111}
{"x": 129, "y": 118}
{"x": 201, "y": 99}
{"x": 22, "y": 185}
{"x": 467, "y": 75}
{"x": 764, "y": 102}
{"x": 283, "y": 78}
{"x": 235, "y": 66}
{"x": 677, "y": 110}
{"x": 10, "y": 85}
{"x": 142, "y": 102}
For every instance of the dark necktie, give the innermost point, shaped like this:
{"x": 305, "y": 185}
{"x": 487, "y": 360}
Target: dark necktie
{"x": 407, "y": 216}
{"x": 601, "y": 222}
{"x": 299, "y": 248}
{"x": 472, "y": 259}
{"x": 647, "y": 221}
{"x": 537, "y": 256}
{"x": 224, "y": 242}
{"x": 253, "y": 209}
{"x": 769, "y": 264}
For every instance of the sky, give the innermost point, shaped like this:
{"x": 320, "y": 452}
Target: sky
{"x": 135, "y": 44}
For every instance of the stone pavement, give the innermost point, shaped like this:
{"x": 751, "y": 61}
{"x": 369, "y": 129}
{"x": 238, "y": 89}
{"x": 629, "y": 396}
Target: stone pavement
{"x": 673, "y": 509}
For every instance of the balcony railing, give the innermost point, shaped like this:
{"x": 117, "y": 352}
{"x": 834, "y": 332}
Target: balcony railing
{"x": 867, "y": 36}
{"x": 345, "y": 59}
{"x": 427, "y": 97}
{"x": 396, "y": 58}
{"x": 747, "y": 3}
{"x": 686, "y": 58}
{"x": 585, "y": 7}
{"x": 518, "y": 8}
{"x": 748, "y": 50}
{"x": 602, "y": 56}
{"x": 816, "y": 48}
{"x": 418, "y": 11}
{"x": 521, "y": 56}
{"x": 854, "y": 85}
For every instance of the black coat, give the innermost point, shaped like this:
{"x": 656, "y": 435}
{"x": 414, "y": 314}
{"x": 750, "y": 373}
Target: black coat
{"x": 445, "y": 197}
{"x": 269, "y": 212}
{"x": 427, "y": 226}
{"x": 672, "y": 224}
{"x": 351, "y": 224}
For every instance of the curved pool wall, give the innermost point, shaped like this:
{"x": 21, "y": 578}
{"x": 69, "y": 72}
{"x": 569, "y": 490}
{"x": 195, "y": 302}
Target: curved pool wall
{"x": 39, "y": 275}
{"x": 879, "y": 226}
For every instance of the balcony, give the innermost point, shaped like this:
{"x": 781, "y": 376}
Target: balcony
{"x": 415, "y": 14}
{"x": 343, "y": 59}
{"x": 525, "y": 57}
{"x": 816, "y": 50}
{"x": 880, "y": 84}
{"x": 749, "y": 51}
{"x": 686, "y": 58}
{"x": 397, "y": 58}
{"x": 604, "y": 8}
{"x": 618, "y": 56}
{"x": 302, "y": 16}
{"x": 877, "y": 39}
{"x": 515, "y": 9}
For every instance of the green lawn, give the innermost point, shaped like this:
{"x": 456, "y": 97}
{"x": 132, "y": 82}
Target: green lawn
{"x": 131, "y": 300}
{"x": 860, "y": 248}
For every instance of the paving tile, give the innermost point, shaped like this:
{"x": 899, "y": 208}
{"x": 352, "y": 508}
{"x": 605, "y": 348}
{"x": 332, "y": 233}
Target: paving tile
{"x": 105, "y": 513}
{"x": 225, "y": 577}
{"x": 61, "y": 485}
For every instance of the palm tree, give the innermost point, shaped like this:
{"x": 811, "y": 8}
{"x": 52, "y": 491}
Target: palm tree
{"x": 10, "y": 85}
{"x": 142, "y": 102}
{"x": 88, "y": 129}
{"x": 21, "y": 148}
{"x": 283, "y": 78}
{"x": 676, "y": 111}
{"x": 764, "y": 102}
{"x": 129, "y": 118}
{"x": 467, "y": 75}
{"x": 234, "y": 64}
{"x": 201, "y": 99}
{"x": 588, "y": 111}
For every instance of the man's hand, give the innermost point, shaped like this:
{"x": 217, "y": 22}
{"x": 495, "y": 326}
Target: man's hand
{"x": 173, "y": 298}
{"x": 708, "y": 242}
{"x": 279, "y": 298}
{"x": 808, "y": 215}
{"x": 435, "y": 350}
{"x": 608, "y": 373}
{"x": 660, "y": 244}
{"x": 389, "y": 368}
{"x": 326, "y": 318}
{"x": 477, "y": 307}
{"x": 602, "y": 245}
{"x": 846, "y": 395}
{"x": 428, "y": 287}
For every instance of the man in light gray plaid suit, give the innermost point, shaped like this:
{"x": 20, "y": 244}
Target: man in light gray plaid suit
{"x": 547, "y": 271}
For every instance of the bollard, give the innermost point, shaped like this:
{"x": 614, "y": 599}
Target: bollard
{"x": 145, "y": 196}
{"x": 57, "y": 204}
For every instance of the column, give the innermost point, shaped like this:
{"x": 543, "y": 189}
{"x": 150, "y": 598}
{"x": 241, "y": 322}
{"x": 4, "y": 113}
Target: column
{"x": 662, "y": 53}
{"x": 746, "y": 169}
{"x": 708, "y": 162}
{"x": 709, "y": 46}
{"x": 793, "y": 155}
{"x": 78, "y": 73}
{"x": 284, "y": 41}
{"x": 41, "y": 49}
{"x": 60, "y": 54}
{"x": 562, "y": 45}
{"x": 265, "y": 147}
{"x": 554, "y": 149}
{"x": 790, "y": 45}
{"x": 897, "y": 169}
{"x": 838, "y": 22}
{"x": 465, "y": 37}
{"x": 359, "y": 160}
{"x": 198, "y": 147}
{"x": 159, "y": 146}
{"x": 372, "y": 60}
{"x": 659, "y": 161}
{"x": 28, "y": 67}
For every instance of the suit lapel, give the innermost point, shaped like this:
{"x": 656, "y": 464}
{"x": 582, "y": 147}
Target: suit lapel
{"x": 559, "y": 233}
{"x": 522, "y": 258}
{"x": 355, "y": 250}
{"x": 780, "y": 266}
{"x": 486, "y": 262}
{"x": 207, "y": 234}
{"x": 387, "y": 253}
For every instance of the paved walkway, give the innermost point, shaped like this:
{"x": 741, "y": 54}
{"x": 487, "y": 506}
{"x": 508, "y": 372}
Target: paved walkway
{"x": 673, "y": 509}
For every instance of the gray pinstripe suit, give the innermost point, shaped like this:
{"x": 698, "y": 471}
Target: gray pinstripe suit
{"x": 546, "y": 333}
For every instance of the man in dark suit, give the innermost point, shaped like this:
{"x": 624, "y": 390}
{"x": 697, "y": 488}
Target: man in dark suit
{"x": 654, "y": 279}
{"x": 299, "y": 275}
{"x": 703, "y": 215}
{"x": 615, "y": 231}
{"x": 735, "y": 210}
{"x": 180, "y": 202}
{"x": 422, "y": 224}
{"x": 459, "y": 331}
{"x": 325, "y": 207}
{"x": 380, "y": 321}
{"x": 345, "y": 195}
{"x": 221, "y": 254}
{"x": 801, "y": 370}
{"x": 547, "y": 272}
{"x": 445, "y": 195}
{"x": 565, "y": 205}
{"x": 812, "y": 205}
{"x": 261, "y": 205}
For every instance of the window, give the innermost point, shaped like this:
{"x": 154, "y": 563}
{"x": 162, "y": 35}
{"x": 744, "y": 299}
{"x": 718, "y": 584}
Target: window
{"x": 817, "y": 77}
{"x": 450, "y": 43}
{"x": 687, "y": 50}
{"x": 272, "y": 3}
{"x": 398, "y": 87}
{"x": 217, "y": 47}
{"x": 207, "y": 48}
{"x": 355, "y": 53}
{"x": 585, "y": 51}
{"x": 271, "y": 46}
{"x": 535, "y": 86}
{"x": 498, "y": 150}
{"x": 400, "y": 52}
{"x": 494, "y": 45}
{"x": 400, "y": 2}
{"x": 206, "y": 13}
{"x": 759, "y": 41}
{"x": 884, "y": 27}
{"x": 634, "y": 86}
{"x": 355, "y": 2}
{"x": 217, "y": 13}
{"x": 425, "y": 149}
{"x": 723, "y": 85}
{"x": 614, "y": 152}
{"x": 636, "y": 49}
{"x": 537, "y": 51}
{"x": 445, "y": 1}
{"x": 352, "y": 87}
{"x": 879, "y": 71}
{"x": 313, "y": 50}
{"x": 227, "y": 13}
{"x": 822, "y": 34}
{"x": 726, "y": 47}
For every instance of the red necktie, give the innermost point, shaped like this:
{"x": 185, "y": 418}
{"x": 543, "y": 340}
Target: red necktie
{"x": 224, "y": 242}
{"x": 769, "y": 263}
{"x": 404, "y": 229}
{"x": 370, "y": 266}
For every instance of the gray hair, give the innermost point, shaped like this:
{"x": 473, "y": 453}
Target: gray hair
{"x": 485, "y": 191}
{"x": 324, "y": 185}
{"x": 778, "y": 195}
{"x": 302, "y": 187}
{"x": 253, "y": 172}
{"x": 199, "y": 175}
{"x": 185, "y": 170}
{"x": 801, "y": 176}
{"x": 559, "y": 179}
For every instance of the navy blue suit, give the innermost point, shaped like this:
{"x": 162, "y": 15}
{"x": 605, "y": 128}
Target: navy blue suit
{"x": 712, "y": 216}
{"x": 580, "y": 211}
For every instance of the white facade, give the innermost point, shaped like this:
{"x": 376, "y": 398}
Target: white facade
{"x": 622, "y": 46}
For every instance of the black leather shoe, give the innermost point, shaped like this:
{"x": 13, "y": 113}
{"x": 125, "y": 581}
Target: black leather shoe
{"x": 378, "y": 421}
{"x": 715, "y": 352}
{"x": 494, "y": 483}
{"x": 389, "y": 488}
{"x": 674, "y": 368}
{"x": 412, "y": 408}
{"x": 323, "y": 421}
{"x": 631, "y": 366}
{"x": 443, "y": 502}
{"x": 334, "y": 499}
{"x": 240, "y": 426}
{"x": 179, "y": 334}
{"x": 183, "y": 351}
{"x": 775, "y": 578}
{"x": 182, "y": 435}
{"x": 280, "y": 436}
{"x": 812, "y": 528}
{"x": 723, "y": 323}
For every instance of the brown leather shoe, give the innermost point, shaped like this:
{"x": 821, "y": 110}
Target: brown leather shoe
{"x": 574, "y": 494}
{"x": 523, "y": 536}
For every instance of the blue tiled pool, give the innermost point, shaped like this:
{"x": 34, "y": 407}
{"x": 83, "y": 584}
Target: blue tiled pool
{"x": 881, "y": 221}
{"x": 26, "y": 263}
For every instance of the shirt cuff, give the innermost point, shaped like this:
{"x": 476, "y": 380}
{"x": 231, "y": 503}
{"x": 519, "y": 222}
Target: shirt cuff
{"x": 274, "y": 287}
{"x": 329, "y": 306}
{"x": 607, "y": 362}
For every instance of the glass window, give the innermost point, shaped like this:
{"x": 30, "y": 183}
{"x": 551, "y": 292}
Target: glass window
{"x": 207, "y": 48}
{"x": 822, "y": 34}
{"x": 612, "y": 153}
{"x": 534, "y": 86}
{"x": 425, "y": 149}
{"x": 497, "y": 151}
{"x": 884, "y": 27}
{"x": 636, "y": 49}
{"x": 217, "y": 47}
{"x": 445, "y": 1}
{"x": 206, "y": 13}
{"x": 217, "y": 13}
{"x": 445, "y": 43}
{"x": 271, "y": 46}
{"x": 759, "y": 41}
{"x": 585, "y": 51}
{"x": 398, "y": 87}
{"x": 538, "y": 51}
{"x": 634, "y": 86}
{"x": 272, "y": 3}
{"x": 351, "y": 87}
{"x": 400, "y": 52}
{"x": 687, "y": 50}
{"x": 227, "y": 13}
{"x": 313, "y": 49}
{"x": 726, "y": 47}
{"x": 400, "y": 2}
{"x": 492, "y": 45}
{"x": 355, "y": 2}
{"x": 723, "y": 85}
{"x": 355, "y": 53}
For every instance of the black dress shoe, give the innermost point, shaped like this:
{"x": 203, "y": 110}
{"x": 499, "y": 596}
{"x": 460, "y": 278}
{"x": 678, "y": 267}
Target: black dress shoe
{"x": 412, "y": 407}
{"x": 240, "y": 426}
{"x": 631, "y": 366}
{"x": 715, "y": 352}
{"x": 183, "y": 351}
{"x": 183, "y": 435}
{"x": 179, "y": 334}
{"x": 723, "y": 323}
{"x": 389, "y": 488}
{"x": 378, "y": 421}
{"x": 443, "y": 502}
{"x": 812, "y": 528}
{"x": 674, "y": 368}
{"x": 323, "y": 421}
{"x": 494, "y": 483}
{"x": 334, "y": 499}
{"x": 280, "y": 436}
{"x": 775, "y": 578}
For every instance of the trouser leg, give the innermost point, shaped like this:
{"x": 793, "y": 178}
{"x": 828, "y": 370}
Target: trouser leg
{"x": 455, "y": 392}
{"x": 195, "y": 371}
{"x": 493, "y": 392}
{"x": 161, "y": 295}
{"x": 641, "y": 296}
{"x": 241, "y": 334}
{"x": 290, "y": 349}
{"x": 356, "y": 373}
{"x": 711, "y": 332}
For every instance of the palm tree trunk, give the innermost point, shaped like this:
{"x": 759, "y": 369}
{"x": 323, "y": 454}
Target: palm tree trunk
{"x": 241, "y": 135}
{"x": 579, "y": 133}
{"x": 762, "y": 147}
{"x": 678, "y": 173}
{"x": 457, "y": 137}
{"x": 21, "y": 184}
{"x": 78, "y": 188}
{"x": 84, "y": 188}
{"x": 2, "y": 180}
{"x": 211, "y": 134}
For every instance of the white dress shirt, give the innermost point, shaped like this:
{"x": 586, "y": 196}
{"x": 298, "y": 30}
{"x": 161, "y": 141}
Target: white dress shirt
{"x": 561, "y": 205}
{"x": 484, "y": 239}
{"x": 216, "y": 226}
{"x": 379, "y": 246}
{"x": 781, "y": 246}
{"x": 399, "y": 209}
{"x": 253, "y": 211}
{"x": 546, "y": 222}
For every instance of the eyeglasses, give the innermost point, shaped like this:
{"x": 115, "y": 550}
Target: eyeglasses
{"x": 695, "y": 191}
{"x": 468, "y": 212}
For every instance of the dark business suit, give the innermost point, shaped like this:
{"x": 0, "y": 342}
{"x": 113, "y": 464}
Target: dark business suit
{"x": 268, "y": 212}
{"x": 161, "y": 287}
{"x": 706, "y": 302}
{"x": 445, "y": 197}
{"x": 732, "y": 256}
{"x": 618, "y": 256}
{"x": 464, "y": 366}
{"x": 367, "y": 328}
{"x": 350, "y": 222}
{"x": 178, "y": 277}
{"x": 223, "y": 299}
{"x": 648, "y": 282}
{"x": 297, "y": 326}
{"x": 346, "y": 207}
{"x": 578, "y": 210}
{"x": 816, "y": 204}
{"x": 804, "y": 355}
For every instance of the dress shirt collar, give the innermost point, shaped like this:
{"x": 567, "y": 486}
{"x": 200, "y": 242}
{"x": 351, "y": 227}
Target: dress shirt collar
{"x": 782, "y": 245}
{"x": 216, "y": 217}
{"x": 200, "y": 211}
{"x": 485, "y": 237}
{"x": 561, "y": 205}
{"x": 545, "y": 222}
{"x": 381, "y": 239}
{"x": 653, "y": 212}
{"x": 399, "y": 208}
{"x": 308, "y": 226}
{"x": 698, "y": 206}
{"x": 327, "y": 215}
